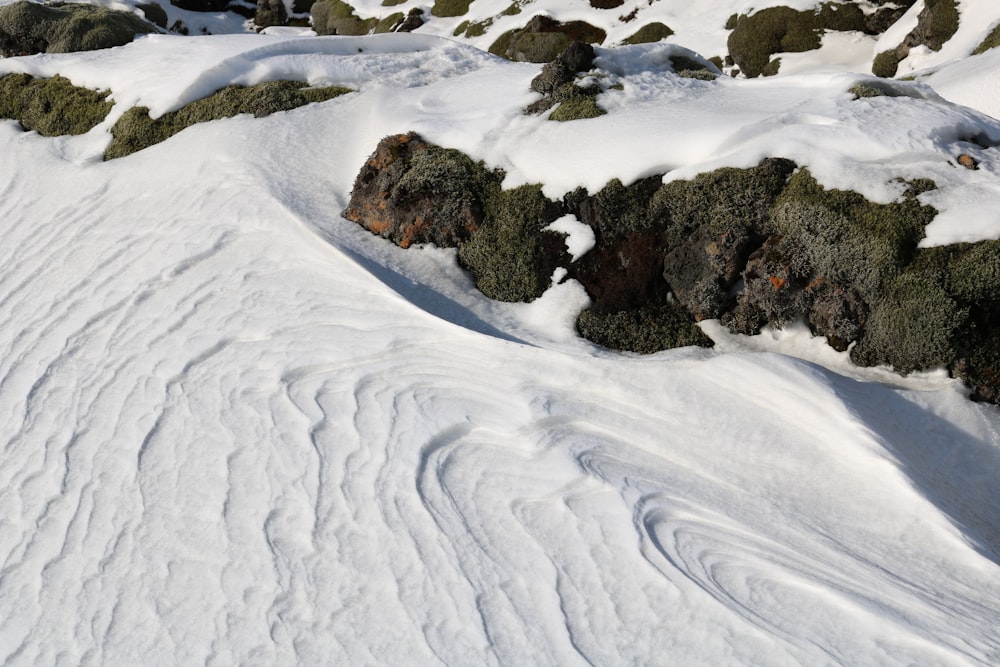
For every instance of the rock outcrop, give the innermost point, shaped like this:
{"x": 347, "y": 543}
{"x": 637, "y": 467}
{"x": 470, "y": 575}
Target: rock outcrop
{"x": 752, "y": 247}
{"x": 27, "y": 28}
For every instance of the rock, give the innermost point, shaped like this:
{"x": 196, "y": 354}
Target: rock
{"x": 701, "y": 270}
{"x": 543, "y": 38}
{"x": 414, "y": 19}
{"x": 968, "y": 161}
{"x": 577, "y": 57}
{"x": 410, "y": 192}
{"x": 269, "y": 13}
{"x": 27, "y": 28}
{"x": 154, "y": 13}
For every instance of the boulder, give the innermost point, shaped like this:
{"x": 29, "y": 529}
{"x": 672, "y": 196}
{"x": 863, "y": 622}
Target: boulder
{"x": 27, "y": 28}
{"x": 410, "y": 191}
{"x": 543, "y": 38}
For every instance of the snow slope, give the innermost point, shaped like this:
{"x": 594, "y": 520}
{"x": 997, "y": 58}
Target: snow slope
{"x": 237, "y": 429}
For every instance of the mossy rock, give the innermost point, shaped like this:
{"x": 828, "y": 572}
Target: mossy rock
{"x": 537, "y": 47}
{"x": 991, "y": 42}
{"x": 847, "y": 238}
{"x": 864, "y": 90}
{"x": 27, "y": 28}
{"x": 651, "y": 32}
{"x": 135, "y": 130}
{"x": 392, "y": 3}
{"x": 577, "y": 108}
{"x": 543, "y": 38}
{"x": 885, "y": 64}
{"x": 914, "y": 324}
{"x": 154, "y": 13}
{"x": 335, "y": 17}
{"x": 449, "y": 8}
{"x": 773, "y": 30}
{"x": 842, "y": 16}
{"x": 510, "y": 257}
{"x": 502, "y": 43}
{"x": 728, "y": 201}
{"x": 936, "y": 24}
{"x": 390, "y": 23}
{"x": 644, "y": 330}
{"x": 51, "y": 107}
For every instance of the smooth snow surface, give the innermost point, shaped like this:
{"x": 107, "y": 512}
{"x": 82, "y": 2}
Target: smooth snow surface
{"x": 238, "y": 429}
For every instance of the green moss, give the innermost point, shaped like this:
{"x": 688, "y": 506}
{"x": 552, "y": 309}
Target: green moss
{"x": 460, "y": 28}
{"x": 938, "y": 22}
{"x": 538, "y": 47}
{"x": 717, "y": 61}
{"x": 68, "y": 28}
{"x": 389, "y": 23}
{"x": 335, "y": 17}
{"x": 914, "y": 324}
{"x": 477, "y": 28}
{"x": 447, "y": 8}
{"x": 51, "y": 107}
{"x": 135, "y": 130}
{"x": 842, "y": 16}
{"x": 846, "y": 238}
{"x": 772, "y": 30}
{"x": 885, "y": 64}
{"x": 863, "y": 90}
{"x": 577, "y": 105}
{"x": 651, "y": 32}
{"x": 392, "y": 3}
{"x": 502, "y": 43}
{"x": 644, "y": 330}
{"x": 732, "y": 21}
{"x": 506, "y": 256}
{"x": 512, "y": 9}
{"x": 991, "y": 42}
{"x": 726, "y": 201}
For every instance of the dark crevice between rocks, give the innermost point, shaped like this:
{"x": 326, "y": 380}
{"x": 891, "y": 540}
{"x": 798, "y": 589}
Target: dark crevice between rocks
{"x": 754, "y": 247}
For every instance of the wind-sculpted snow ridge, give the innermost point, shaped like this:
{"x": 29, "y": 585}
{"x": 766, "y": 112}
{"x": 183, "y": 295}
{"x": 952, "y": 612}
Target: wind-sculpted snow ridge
{"x": 236, "y": 429}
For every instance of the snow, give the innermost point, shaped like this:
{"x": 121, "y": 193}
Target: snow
{"x": 237, "y": 429}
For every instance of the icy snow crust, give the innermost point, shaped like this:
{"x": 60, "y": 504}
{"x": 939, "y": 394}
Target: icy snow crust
{"x": 237, "y": 429}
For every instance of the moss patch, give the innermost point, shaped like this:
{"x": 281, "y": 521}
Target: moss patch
{"x": 509, "y": 257}
{"x": 28, "y": 27}
{"x": 576, "y": 102}
{"x": 447, "y": 8}
{"x": 651, "y": 32}
{"x": 51, "y": 107}
{"x": 135, "y": 130}
{"x": 335, "y": 17}
{"x": 644, "y": 330}
{"x": 991, "y": 42}
{"x": 772, "y": 30}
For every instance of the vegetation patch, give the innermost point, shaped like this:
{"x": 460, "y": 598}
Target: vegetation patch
{"x": 135, "y": 130}
{"x": 644, "y": 330}
{"x": 510, "y": 256}
{"x": 27, "y": 28}
{"x": 51, "y": 107}
{"x": 651, "y": 32}
{"x": 448, "y": 8}
{"x": 544, "y": 38}
{"x": 335, "y": 17}
{"x": 991, "y": 42}
{"x": 753, "y": 247}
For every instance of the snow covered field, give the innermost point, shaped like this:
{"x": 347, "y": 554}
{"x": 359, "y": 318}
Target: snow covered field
{"x": 238, "y": 429}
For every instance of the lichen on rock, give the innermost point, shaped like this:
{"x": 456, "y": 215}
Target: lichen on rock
{"x": 51, "y": 107}
{"x": 136, "y": 130}
{"x": 27, "y": 28}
